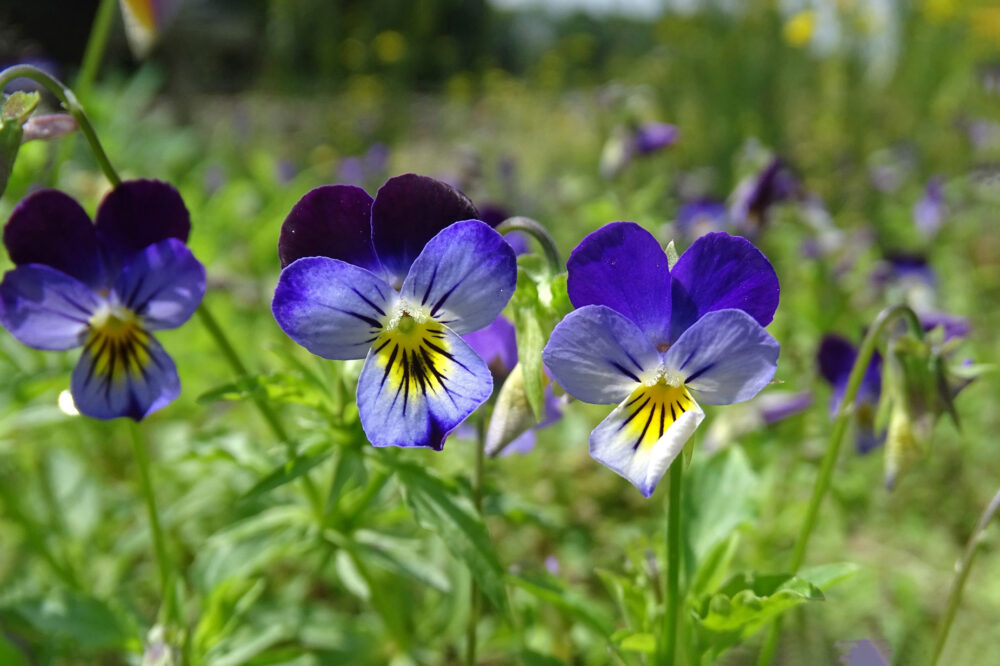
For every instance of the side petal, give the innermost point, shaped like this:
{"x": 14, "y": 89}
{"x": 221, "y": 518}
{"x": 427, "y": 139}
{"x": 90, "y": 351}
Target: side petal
{"x": 45, "y": 308}
{"x": 123, "y": 371}
{"x": 51, "y": 228}
{"x": 464, "y": 276}
{"x": 407, "y": 212}
{"x": 598, "y": 355}
{"x": 330, "y": 221}
{"x": 644, "y": 434}
{"x": 622, "y": 266}
{"x": 417, "y": 386}
{"x": 725, "y": 357}
{"x": 720, "y": 272}
{"x": 137, "y": 214}
{"x": 163, "y": 284}
{"x": 334, "y": 309}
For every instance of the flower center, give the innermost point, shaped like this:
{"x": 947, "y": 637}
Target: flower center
{"x": 118, "y": 345}
{"x": 652, "y": 409}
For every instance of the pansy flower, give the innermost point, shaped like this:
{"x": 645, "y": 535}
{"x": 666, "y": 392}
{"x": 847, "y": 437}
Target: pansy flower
{"x": 836, "y": 358}
{"x": 396, "y": 280}
{"x": 657, "y": 341}
{"x": 754, "y": 196}
{"x": 105, "y": 287}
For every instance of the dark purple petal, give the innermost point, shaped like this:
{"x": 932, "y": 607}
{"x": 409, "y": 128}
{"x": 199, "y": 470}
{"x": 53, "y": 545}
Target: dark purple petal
{"x": 408, "y": 211}
{"x": 623, "y": 267}
{"x": 46, "y": 309}
{"x": 163, "y": 284}
{"x": 836, "y": 358}
{"x": 137, "y": 214}
{"x": 330, "y": 221}
{"x": 50, "y": 228}
{"x": 720, "y": 272}
{"x": 496, "y": 344}
{"x": 755, "y": 195}
{"x": 954, "y": 326}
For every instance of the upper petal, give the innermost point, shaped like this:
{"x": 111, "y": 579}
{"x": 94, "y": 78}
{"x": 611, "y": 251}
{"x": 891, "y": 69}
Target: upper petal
{"x": 45, "y": 308}
{"x": 622, "y": 266}
{"x": 407, "y": 212}
{"x": 725, "y": 357}
{"x": 719, "y": 272}
{"x": 123, "y": 371}
{"x": 51, "y": 228}
{"x": 417, "y": 386}
{"x": 598, "y": 355}
{"x": 332, "y": 308}
{"x": 163, "y": 284}
{"x": 464, "y": 276}
{"x": 644, "y": 434}
{"x": 330, "y": 221}
{"x": 137, "y": 214}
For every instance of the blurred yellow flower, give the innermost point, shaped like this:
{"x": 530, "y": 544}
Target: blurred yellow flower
{"x": 800, "y": 27}
{"x": 390, "y": 46}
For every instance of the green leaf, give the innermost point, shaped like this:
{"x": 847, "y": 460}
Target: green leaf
{"x": 827, "y": 575}
{"x": 638, "y": 642}
{"x": 438, "y": 507}
{"x": 527, "y": 313}
{"x": 746, "y": 603}
{"x": 399, "y": 556}
{"x": 18, "y": 107}
{"x": 532, "y": 658}
{"x": 286, "y": 473}
{"x": 719, "y": 497}
{"x": 551, "y": 590}
{"x": 632, "y": 599}
{"x": 81, "y": 622}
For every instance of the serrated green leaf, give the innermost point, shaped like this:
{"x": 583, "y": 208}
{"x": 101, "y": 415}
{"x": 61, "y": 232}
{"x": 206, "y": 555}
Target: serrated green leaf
{"x": 438, "y": 507}
{"x": 286, "y": 473}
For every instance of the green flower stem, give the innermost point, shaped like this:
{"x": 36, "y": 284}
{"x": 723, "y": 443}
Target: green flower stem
{"x": 671, "y": 597}
{"x": 140, "y": 446}
{"x": 477, "y": 500}
{"x": 530, "y": 226}
{"x": 961, "y": 575}
{"x": 270, "y": 417}
{"x": 840, "y": 424}
{"x": 68, "y": 99}
{"x": 96, "y": 44}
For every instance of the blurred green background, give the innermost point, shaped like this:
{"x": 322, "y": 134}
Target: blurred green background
{"x": 246, "y": 105}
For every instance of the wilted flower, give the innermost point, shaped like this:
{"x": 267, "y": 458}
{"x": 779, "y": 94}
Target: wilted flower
{"x": 105, "y": 286}
{"x": 512, "y": 425}
{"x": 657, "y": 340}
{"x": 836, "y": 358}
{"x": 396, "y": 280}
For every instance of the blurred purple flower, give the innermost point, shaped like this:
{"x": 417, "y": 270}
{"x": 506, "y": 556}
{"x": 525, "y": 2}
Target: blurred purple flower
{"x": 697, "y": 218}
{"x": 651, "y": 137}
{"x": 836, "y": 357}
{"x": 756, "y": 194}
{"x": 493, "y": 215}
{"x": 929, "y": 211}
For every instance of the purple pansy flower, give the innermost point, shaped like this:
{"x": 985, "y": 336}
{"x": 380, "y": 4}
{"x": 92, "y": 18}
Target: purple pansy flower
{"x": 497, "y": 345}
{"x": 655, "y": 340}
{"x": 650, "y": 137}
{"x": 106, "y": 287}
{"x": 755, "y": 195}
{"x": 396, "y": 280}
{"x": 836, "y": 357}
{"x": 929, "y": 211}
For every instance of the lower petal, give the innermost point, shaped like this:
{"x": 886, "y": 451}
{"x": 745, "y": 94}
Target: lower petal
{"x": 644, "y": 434}
{"x": 418, "y": 384}
{"x": 123, "y": 371}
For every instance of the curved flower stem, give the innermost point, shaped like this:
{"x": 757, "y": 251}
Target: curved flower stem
{"x": 840, "y": 423}
{"x": 477, "y": 500}
{"x": 961, "y": 574}
{"x": 671, "y": 597}
{"x": 68, "y": 99}
{"x": 541, "y": 234}
{"x": 139, "y": 447}
{"x": 272, "y": 419}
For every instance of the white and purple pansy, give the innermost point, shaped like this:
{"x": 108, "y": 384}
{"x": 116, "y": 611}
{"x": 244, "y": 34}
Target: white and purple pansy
{"x": 657, "y": 341}
{"x": 105, "y": 287}
{"x": 396, "y": 280}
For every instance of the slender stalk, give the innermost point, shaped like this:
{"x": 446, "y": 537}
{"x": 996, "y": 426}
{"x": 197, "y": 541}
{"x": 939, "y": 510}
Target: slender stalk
{"x": 840, "y": 423}
{"x": 96, "y": 44}
{"x": 961, "y": 575}
{"x": 541, "y": 234}
{"x": 140, "y": 446}
{"x": 671, "y": 594}
{"x": 270, "y": 417}
{"x": 73, "y": 106}
{"x": 477, "y": 500}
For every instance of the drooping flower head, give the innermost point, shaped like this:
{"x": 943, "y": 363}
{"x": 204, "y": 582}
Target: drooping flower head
{"x": 105, "y": 286}
{"x": 755, "y": 195}
{"x": 396, "y": 280}
{"x": 656, "y": 341}
{"x": 835, "y": 358}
